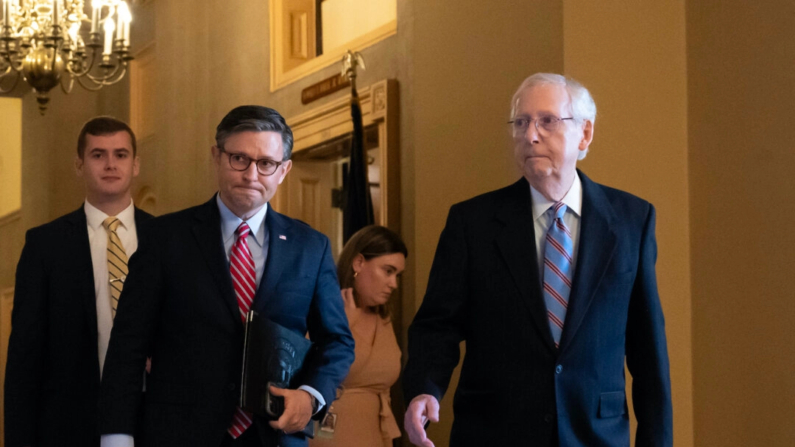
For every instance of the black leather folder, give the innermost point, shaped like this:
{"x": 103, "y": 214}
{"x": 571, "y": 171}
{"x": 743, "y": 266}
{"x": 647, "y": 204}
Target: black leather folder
{"x": 271, "y": 354}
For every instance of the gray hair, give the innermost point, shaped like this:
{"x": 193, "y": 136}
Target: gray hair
{"x": 583, "y": 107}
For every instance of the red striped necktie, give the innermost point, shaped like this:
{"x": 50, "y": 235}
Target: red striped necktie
{"x": 244, "y": 281}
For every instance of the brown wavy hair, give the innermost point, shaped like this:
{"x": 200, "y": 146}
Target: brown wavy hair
{"x": 371, "y": 242}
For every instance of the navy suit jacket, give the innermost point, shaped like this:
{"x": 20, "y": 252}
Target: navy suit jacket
{"x": 179, "y": 306}
{"x": 516, "y": 388}
{"x": 52, "y": 374}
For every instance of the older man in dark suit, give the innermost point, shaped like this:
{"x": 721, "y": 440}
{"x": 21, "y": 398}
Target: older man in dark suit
{"x": 196, "y": 274}
{"x": 551, "y": 283}
{"x": 67, "y": 288}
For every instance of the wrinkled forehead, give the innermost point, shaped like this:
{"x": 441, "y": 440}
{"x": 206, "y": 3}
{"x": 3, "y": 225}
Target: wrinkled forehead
{"x": 540, "y": 99}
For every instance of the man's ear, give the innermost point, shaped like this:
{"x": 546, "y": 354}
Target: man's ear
{"x": 79, "y": 166}
{"x": 136, "y": 166}
{"x": 587, "y": 135}
{"x": 285, "y": 168}
{"x": 216, "y": 154}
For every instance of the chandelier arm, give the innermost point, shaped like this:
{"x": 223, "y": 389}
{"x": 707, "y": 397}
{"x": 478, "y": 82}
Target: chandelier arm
{"x": 90, "y": 65}
{"x": 108, "y": 78}
{"x": 16, "y": 64}
{"x": 65, "y": 89}
{"x": 13, "y": 86}
{"x": 79, "y": 62}
{"x": 119, "y": 76}
{"x": 90, "y": 88}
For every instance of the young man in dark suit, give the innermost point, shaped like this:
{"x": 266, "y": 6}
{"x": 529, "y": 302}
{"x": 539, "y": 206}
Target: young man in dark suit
{"x": 67, "y": 286}
{"x": 196, "y": 274}
{"x": 551, "y": 282}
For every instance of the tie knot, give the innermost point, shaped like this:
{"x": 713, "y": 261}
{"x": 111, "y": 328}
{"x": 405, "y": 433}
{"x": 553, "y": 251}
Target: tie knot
{"x": 243, "y": 230}
{"x": 558, "y": 209}
{"x": 111, "y": 223}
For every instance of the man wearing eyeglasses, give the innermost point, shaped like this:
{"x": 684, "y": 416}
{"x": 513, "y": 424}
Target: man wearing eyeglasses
{"x": 551, "y": 283}
{"x": 66, "y": 294}
{"x": 196, "y": 274}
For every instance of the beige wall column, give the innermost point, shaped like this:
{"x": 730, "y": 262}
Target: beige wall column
{"x": 632, "y": 58}
{"x": 468, "y": 60}
{"x": 741, "y": 81}
{"x": 184, "y": 132}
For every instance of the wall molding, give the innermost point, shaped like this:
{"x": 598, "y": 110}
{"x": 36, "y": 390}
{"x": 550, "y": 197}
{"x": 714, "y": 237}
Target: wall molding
{"x": 10, "y": 217}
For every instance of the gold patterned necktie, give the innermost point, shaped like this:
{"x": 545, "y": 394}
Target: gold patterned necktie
{"x": 117, "y": 262}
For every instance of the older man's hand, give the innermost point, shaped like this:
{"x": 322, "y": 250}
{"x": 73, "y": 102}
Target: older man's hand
{"x": 297, "y": 410}
{"x": 422, "y": 409}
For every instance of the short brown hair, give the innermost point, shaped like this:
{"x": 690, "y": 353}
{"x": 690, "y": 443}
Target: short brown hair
{"x": 103, "y": 125}
{"x": 255, "y": 119}
{"x": 371, "y": 242}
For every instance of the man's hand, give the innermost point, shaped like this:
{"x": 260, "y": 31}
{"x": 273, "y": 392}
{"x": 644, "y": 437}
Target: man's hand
{"x": 297, "y": 410}
{"x": 422, "y": 409}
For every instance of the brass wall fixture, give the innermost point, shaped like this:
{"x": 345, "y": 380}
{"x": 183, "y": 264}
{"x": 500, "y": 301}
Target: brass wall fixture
{"x": 42, "y": 42}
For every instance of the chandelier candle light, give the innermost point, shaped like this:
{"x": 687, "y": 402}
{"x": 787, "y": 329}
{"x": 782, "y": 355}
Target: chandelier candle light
{"x": 40, "y": 41}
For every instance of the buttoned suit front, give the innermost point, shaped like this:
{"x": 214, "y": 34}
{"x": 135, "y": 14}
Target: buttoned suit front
{"x": 516, "y": 387}
{"x": 185, "y": 313}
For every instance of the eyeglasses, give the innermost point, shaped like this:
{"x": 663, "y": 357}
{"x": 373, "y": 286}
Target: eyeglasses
{"x": 241, "y": 162}
{"x": 545, "y": 125}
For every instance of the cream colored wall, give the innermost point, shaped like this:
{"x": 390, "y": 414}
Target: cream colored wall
{"x": 10, "y": 155}
{"x": 741, "y": 90}
{"x": 345, "y": 20}
{"x": 632, "y": 58}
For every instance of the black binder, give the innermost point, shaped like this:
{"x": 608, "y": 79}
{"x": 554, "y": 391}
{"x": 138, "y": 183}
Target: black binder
{"x": 271, "y": 354}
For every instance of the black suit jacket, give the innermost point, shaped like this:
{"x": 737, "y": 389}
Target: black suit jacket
{"x": 52, "y": 374}
{"x": 179, "y": 304}
{"x": 516, "y": 388}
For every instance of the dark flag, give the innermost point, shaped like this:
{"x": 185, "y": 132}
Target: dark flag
{"x": 357, "y": 211}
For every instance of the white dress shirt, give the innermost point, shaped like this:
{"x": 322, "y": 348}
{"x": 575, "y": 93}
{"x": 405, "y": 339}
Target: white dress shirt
{"x": 98, "y": 240}
{"x": 542, "y": 219}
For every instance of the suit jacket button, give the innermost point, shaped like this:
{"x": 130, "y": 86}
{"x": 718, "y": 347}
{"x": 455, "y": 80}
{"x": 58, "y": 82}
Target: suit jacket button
{"x": 548, "y": 418}
{"x": 558, "y": 369}
{"x": 231, "y": 387}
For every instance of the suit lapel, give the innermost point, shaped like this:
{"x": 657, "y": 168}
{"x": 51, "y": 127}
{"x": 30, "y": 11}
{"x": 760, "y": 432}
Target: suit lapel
{"x": 596, "y": 247}
{"x": 281, "y": 247}
{"x": 141, "y": 216}
{"x": 516, "y": 243}
{"x": 207, "y": 231}
{"x": 77, "y": 243}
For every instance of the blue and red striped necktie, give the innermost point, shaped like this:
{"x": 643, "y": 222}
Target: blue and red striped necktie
{"x": 558, "y": 271}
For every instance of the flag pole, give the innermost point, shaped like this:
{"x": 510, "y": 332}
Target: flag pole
{"x": 357, "y": 211}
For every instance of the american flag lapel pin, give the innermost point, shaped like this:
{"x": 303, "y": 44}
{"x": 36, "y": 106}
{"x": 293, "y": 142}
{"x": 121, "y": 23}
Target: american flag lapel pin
{"x": 282, "y": 237}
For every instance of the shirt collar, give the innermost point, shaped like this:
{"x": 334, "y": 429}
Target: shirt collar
{"x": 95, "y": 216}
{"x": 572, "y": 199}
{"x": 230, "y": 222}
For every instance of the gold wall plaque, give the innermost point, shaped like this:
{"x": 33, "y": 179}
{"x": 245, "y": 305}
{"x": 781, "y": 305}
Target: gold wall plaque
{"x": 324, "y": 88}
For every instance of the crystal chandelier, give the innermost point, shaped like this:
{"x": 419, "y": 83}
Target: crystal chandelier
{"x": 41, "y": 41}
